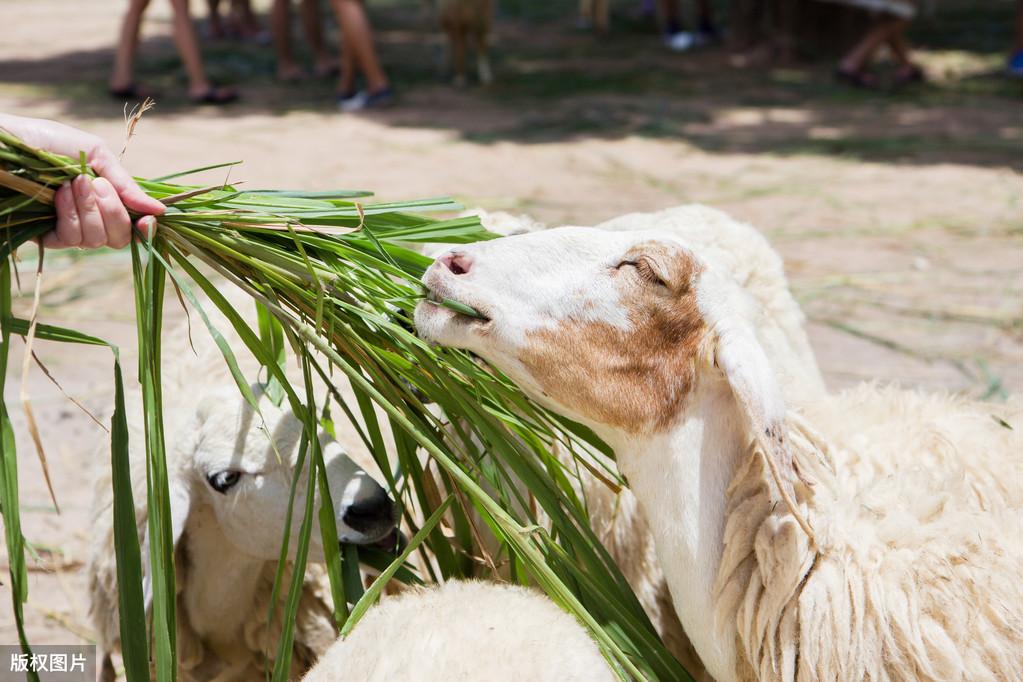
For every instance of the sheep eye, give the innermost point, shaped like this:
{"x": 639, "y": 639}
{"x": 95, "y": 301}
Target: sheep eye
{"x": 222, "y": 481}
{"x": 644, "y": 270}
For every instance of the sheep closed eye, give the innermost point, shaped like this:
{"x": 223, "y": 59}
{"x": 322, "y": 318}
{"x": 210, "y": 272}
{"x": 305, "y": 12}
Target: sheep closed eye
{"x": 645, "y": 270}
{"x": 222, "y": 481}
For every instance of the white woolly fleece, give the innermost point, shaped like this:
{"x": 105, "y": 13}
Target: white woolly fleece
{"x": 465, "y": 631}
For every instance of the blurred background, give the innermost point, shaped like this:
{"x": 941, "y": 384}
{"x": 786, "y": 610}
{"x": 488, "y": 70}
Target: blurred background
{"x": 888, "y": 178}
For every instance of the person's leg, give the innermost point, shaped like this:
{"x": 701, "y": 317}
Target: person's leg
{"x": 908, "y": 72}
{"x": 457, "y": 39}
{"x": 357, "y": 37}
{"x": 346, "y": 77}
{"x": 899, "y": 46}
{"x": 217, "y": 29}
{"x": 861, "y": 54}
{"x": 670, "y": 17}
{"x": 1017, "y": 44}
{"x": 704, "y": 12}
{"x": 123, "y": 75}
{"x": 312, "y": 23}
{"x": 584, "y": 19}
{"x": 1015, "y": 65}
{"x": 187, "y": 42}
{"x": 705, "y": 26}
{"x": 188, "y": 47}
{"x": 482, "y": 36}
{"x": 280, "y": 28}
{"x": 245, "y": 18}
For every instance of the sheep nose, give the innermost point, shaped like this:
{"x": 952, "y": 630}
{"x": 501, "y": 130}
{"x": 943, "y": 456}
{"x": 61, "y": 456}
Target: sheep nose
{"x": 458, "y": 262}
{"x": 371, "y": 514}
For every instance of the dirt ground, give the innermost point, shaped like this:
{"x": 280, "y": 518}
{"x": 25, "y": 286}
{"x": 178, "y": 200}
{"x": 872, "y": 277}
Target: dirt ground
{"x": 899, "y": 216}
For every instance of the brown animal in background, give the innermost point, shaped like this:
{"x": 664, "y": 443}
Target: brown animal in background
{"x": 468, "y": 22}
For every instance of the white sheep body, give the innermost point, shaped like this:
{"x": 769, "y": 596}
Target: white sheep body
{"x": 876, "y": 534}
{"x": 223, "y": 601}
{"x": 748, "y": 257}
{"x": 916, "y": 503}
{"x": 465, "y": 631}
{"x": 201, "y": 655}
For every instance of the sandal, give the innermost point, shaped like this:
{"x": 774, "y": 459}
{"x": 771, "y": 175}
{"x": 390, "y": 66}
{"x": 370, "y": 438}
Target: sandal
{"x": 857, "y": 79}
{"x": 132, "y": 91}
{"x": 912, "y": 76}
{"x": 215, "y": 95}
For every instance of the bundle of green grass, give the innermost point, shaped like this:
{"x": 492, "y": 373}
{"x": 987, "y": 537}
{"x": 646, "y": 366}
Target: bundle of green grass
{"x": 335, "y": 281}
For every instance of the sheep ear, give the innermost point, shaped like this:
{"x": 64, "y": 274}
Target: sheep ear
{"x": 180, "y": 504}
{"x": 742, "y": 359}
{"x": 745, "y": 365}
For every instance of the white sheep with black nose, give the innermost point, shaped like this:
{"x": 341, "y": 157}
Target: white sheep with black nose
{"x": 230, "y": 471}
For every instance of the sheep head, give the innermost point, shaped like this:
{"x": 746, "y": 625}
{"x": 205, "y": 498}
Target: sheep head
{"x": 610, "y": 328}
{"x": 239, "y": 465}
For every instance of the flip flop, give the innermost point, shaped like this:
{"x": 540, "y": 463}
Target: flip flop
{"x": 215, "y": 95}
{"x": 914, "y": 76}
{"x": 857, "y": 79}
{"x": 131, "y": 92}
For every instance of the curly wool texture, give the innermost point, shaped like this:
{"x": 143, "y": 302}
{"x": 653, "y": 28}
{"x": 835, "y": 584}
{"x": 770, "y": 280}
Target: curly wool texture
{"x": 465, "y": 631}
{"x": 916, "y": 502}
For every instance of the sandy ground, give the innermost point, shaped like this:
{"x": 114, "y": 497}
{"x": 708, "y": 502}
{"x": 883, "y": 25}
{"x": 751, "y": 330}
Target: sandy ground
{"x": 899, "y": 217}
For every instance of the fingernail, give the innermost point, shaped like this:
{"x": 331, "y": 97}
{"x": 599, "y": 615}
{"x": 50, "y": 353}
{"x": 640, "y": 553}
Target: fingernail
{"x": 103, "y": 187}
{"x": 80, "y": 185}
{"x": 147, "y": 225}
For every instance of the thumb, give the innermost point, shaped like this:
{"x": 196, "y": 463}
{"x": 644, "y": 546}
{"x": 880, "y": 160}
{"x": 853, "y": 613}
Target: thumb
{"x": 132, "y": 196}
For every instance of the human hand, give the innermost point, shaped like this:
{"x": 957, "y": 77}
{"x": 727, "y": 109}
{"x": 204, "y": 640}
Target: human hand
{"x": 91, "y": 212}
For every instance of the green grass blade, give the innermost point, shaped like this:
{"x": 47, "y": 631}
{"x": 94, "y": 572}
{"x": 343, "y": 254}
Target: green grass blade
{"x": 10, "y": 505}
{"x": 271, "y": 333}
{"x": 195, "y": 171}
{"x": 373, "y": 593}
{"x": 132, "y": 609}
{"x": 282, "y": 666}
{"x": 149, "y": 309}
{"x": 328, "y": 520}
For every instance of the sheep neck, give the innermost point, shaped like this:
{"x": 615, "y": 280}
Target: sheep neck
{"x": 680, "y": 478}
{"x": 221, "y": 586}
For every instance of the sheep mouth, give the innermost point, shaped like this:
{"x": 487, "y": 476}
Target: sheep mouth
{"x": 392, "y": 543}
{"x": 461, "y": 310}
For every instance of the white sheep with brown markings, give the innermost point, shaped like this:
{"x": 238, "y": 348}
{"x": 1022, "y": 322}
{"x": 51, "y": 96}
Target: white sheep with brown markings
{"x": 229, "y": 489}
{"x": 873, "y": 534}
{"x": 465, "y": 631}
{"x": 753, "y": 264}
